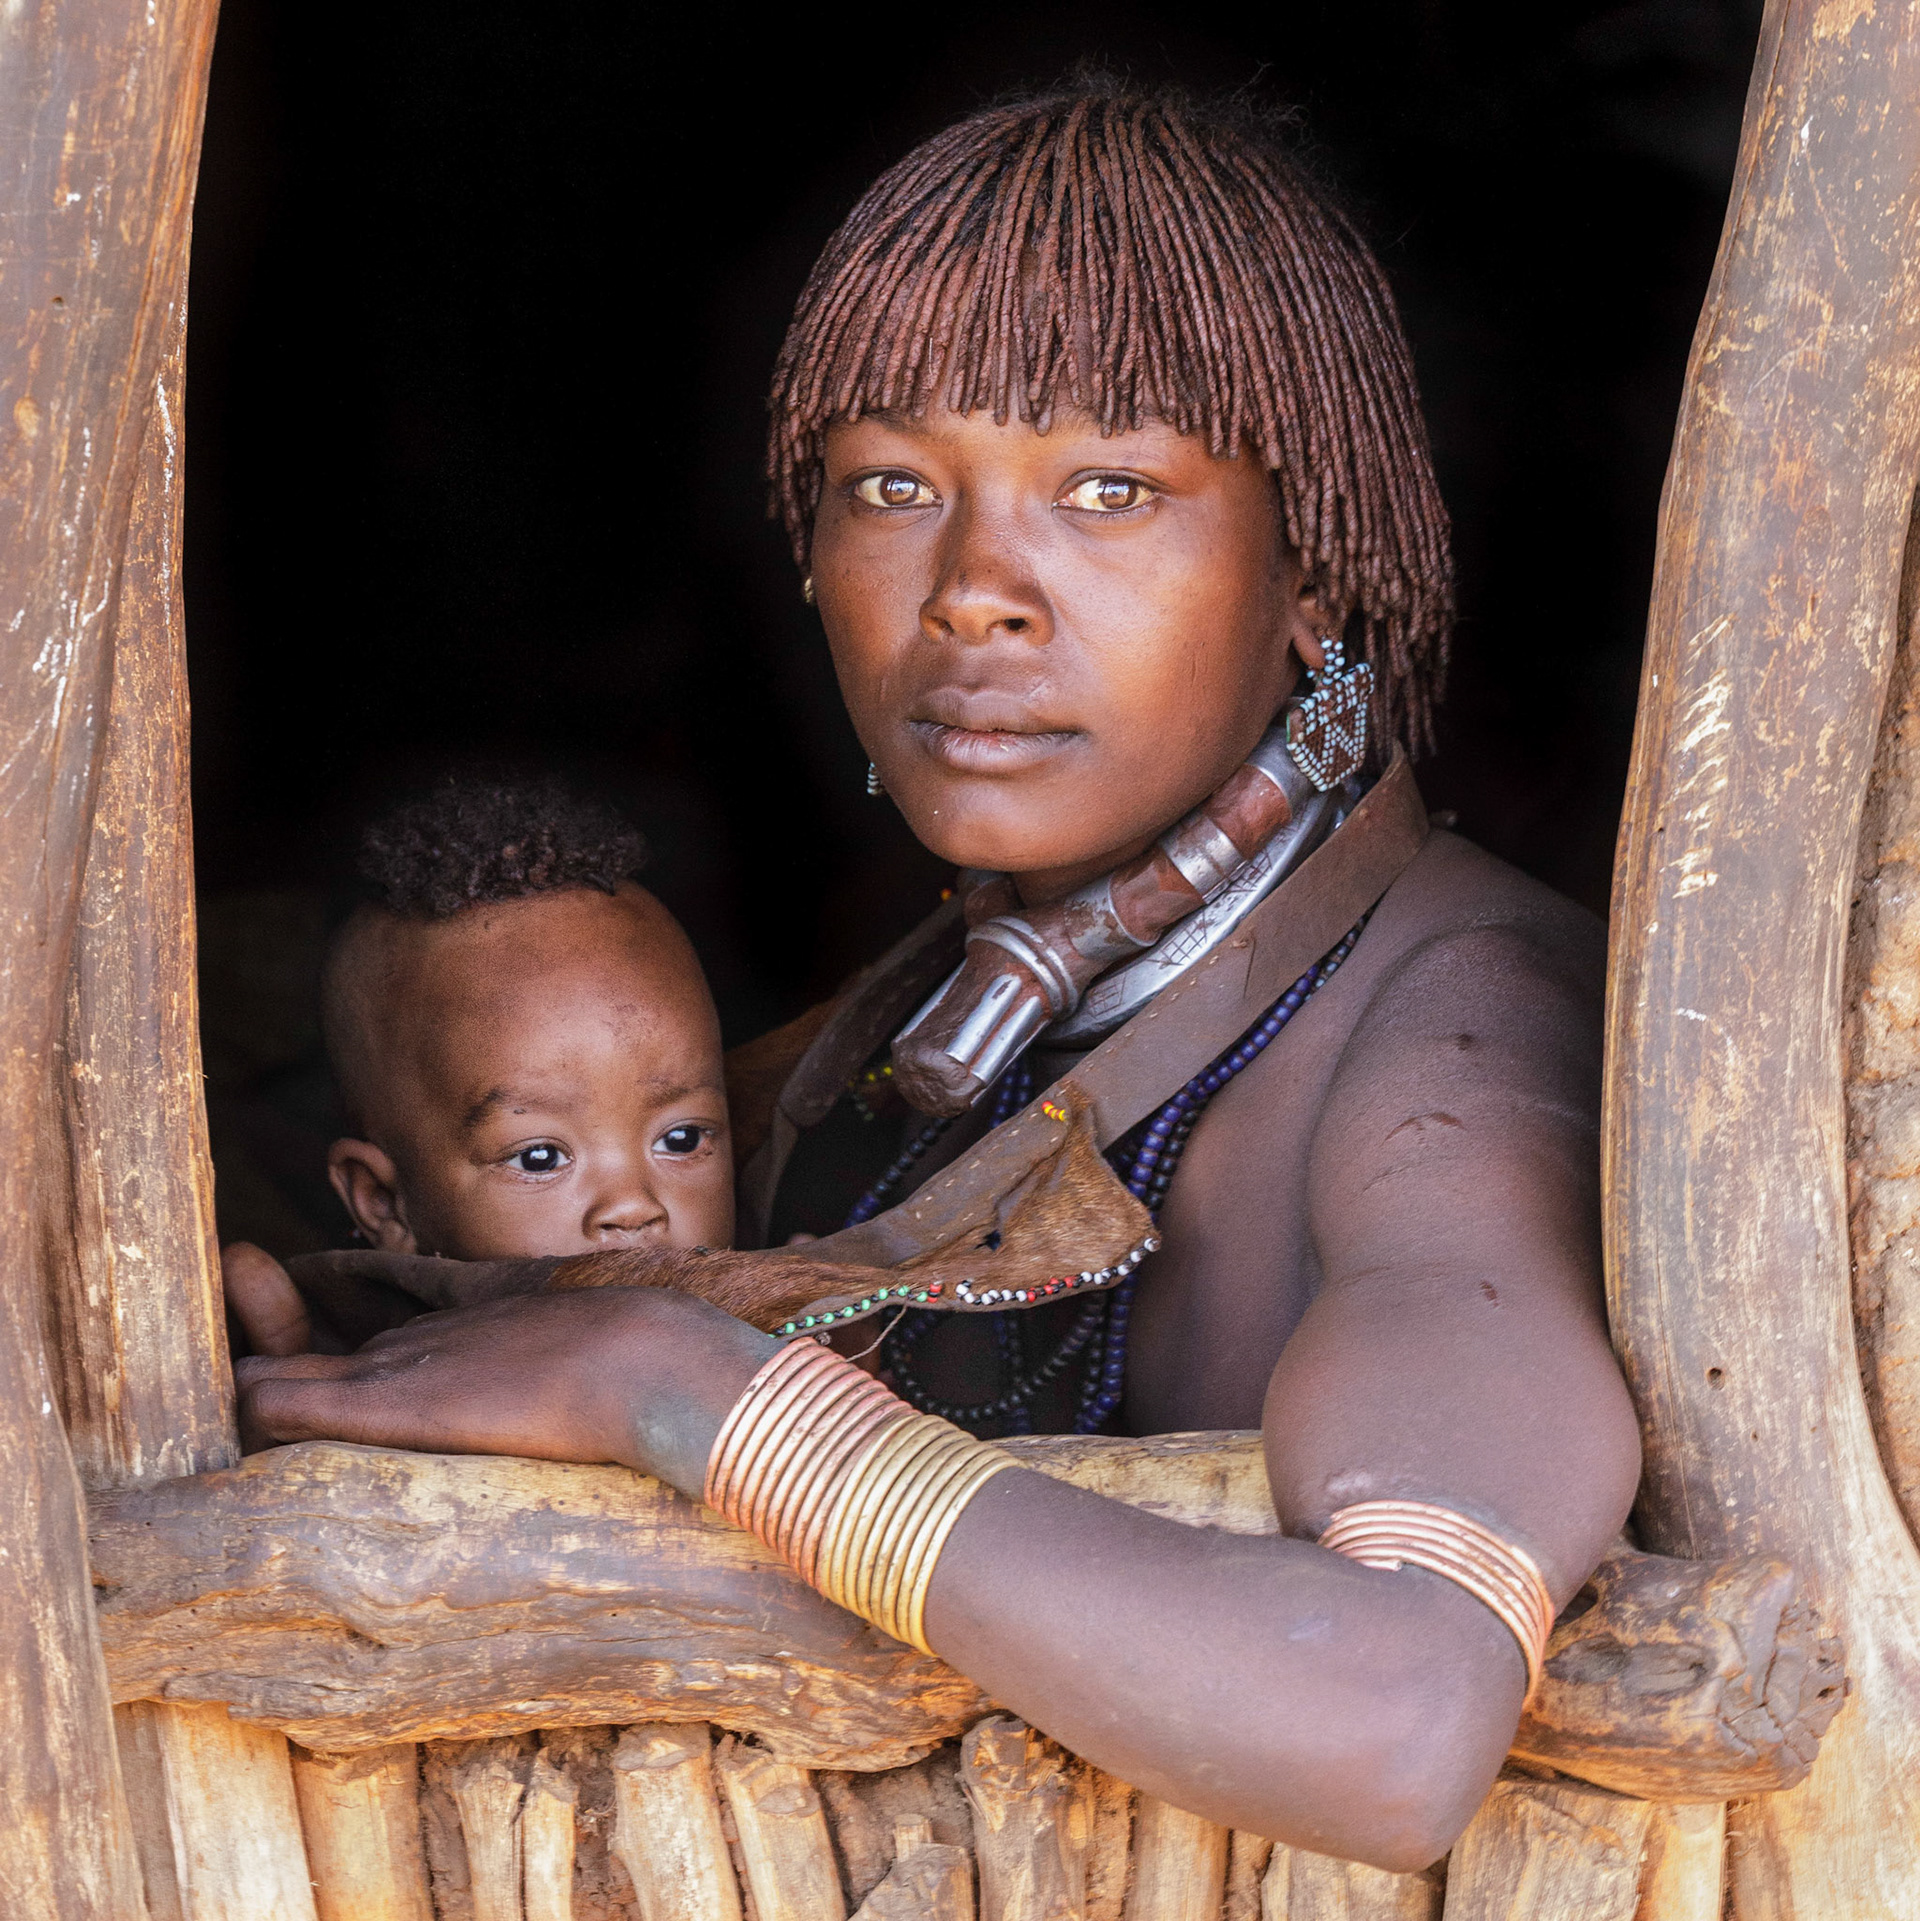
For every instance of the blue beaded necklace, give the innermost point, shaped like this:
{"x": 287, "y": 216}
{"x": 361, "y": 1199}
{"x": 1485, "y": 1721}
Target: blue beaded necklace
{"x": 1099, "y": 1331}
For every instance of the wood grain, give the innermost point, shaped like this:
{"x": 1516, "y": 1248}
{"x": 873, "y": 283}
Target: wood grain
{"x": 1683, "y": 1872}
{"x": 1302, "y": 1886}
{"x": 1179, "y": 1864}
{"x": 1770, "y": 644}
{"x": 360, "y": 1814}
{"x": 1655, "y": 1691}
{"x": 101, "y": 103}
{"x": 783, "y": 1839}
{"x": 488, "y": 1787}
{"x": 1548, "y": 1852}
{"x": 214, "y": 1800}
{"x": 547, "y": 1842}
{"x": 1882, "y": 1020}
{"x": 929, "y": 1881}
{"x": 1032, "y": 1822}
{"x": 669, "y": 1838}
{"x": 124, "y": 1200}
{"x": 354, "y": 1597}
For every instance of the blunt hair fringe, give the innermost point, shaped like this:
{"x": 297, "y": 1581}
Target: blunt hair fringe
{"x": 1138, "y": 256}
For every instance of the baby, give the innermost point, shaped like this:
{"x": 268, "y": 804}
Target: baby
{"x": 525, "y": 1045}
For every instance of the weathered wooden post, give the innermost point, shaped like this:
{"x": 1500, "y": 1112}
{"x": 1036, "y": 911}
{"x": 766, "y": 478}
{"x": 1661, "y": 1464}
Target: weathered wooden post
{"x": 106, "y": 1198}
{"x": 1772, "y": 635}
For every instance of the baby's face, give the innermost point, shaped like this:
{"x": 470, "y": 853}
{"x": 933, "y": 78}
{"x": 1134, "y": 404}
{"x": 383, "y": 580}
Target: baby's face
{"x": 552, "y": 1085}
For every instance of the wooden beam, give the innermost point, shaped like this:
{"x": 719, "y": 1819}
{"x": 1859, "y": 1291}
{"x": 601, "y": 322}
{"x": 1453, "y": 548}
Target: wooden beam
{"x": 100, "y": 109}
{"x": 354, "y": 1597}
{"x": 1770, "y": 641}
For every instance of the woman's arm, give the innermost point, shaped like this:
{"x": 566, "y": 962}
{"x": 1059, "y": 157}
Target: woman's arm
{"x": 1456, "y": 1352}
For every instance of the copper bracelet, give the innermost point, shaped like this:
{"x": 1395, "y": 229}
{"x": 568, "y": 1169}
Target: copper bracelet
{"x": 1395, "y": 1534}
{"x": 847, "y": 1483}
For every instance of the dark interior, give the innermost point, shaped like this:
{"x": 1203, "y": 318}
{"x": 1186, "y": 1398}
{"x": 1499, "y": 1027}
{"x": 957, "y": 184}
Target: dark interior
{"x": 484, "y": 305}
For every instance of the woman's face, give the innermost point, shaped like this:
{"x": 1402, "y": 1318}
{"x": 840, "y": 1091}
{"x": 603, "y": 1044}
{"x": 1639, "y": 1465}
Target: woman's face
{"x": 1052, "y": 645}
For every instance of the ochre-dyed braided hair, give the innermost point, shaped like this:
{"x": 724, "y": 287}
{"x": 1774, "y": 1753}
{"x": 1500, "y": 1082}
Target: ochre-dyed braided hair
{"x": 1136, "y": 256}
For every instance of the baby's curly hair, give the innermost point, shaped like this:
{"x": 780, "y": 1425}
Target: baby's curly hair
{"x": 471, "y": 842}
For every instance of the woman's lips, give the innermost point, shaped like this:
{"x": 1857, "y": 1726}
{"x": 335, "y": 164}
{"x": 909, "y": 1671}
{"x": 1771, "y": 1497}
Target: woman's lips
{"x": 987, "y": 750}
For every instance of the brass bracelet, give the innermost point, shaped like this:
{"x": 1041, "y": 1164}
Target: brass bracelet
{"x": 847, "y": 1483}
{"x": 1505, "y": 1578}
{"x": 893, "y": 1517}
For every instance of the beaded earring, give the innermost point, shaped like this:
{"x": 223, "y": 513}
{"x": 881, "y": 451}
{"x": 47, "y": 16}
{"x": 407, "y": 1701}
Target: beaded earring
{"x": 806, "y": 590}
{"x": 1327, "y": 731}
{"x": 874, "y": 787}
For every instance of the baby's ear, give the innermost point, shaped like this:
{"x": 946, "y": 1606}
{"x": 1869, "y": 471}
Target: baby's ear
{"x": 368, "y": 1184}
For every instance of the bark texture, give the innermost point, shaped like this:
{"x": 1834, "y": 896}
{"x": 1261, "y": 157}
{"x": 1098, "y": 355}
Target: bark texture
{"x": 354, "y": 1597}
{"x": 100, "y": 109}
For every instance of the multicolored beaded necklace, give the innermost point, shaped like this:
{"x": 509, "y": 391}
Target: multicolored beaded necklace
{"x": 1146, "y": 1160}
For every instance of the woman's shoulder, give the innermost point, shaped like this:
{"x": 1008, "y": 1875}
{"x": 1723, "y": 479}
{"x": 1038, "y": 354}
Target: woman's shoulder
{"x": 1459, "y": 912}
{"x": 1477, "y": 973}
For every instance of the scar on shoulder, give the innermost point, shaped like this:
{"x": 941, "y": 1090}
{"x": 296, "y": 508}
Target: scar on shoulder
{"x": 1421, "y": 1122}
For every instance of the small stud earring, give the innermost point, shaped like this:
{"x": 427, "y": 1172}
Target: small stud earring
{"x": 806, "y": 590}
{"x": 874, "y": 787}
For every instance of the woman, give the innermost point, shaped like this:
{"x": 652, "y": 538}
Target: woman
{"x": 1097, "y": 437}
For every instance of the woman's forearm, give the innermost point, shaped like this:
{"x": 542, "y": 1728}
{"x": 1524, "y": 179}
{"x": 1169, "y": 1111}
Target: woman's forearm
{"x": 1260, "y": 1681}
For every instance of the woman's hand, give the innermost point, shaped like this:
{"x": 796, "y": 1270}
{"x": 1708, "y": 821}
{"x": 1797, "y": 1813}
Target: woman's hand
{"x": 333, "y": 1303}
{"x": 635, "y": 1375}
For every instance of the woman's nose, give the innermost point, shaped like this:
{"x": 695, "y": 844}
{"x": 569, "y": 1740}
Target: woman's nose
{"x": 985, "y": 588}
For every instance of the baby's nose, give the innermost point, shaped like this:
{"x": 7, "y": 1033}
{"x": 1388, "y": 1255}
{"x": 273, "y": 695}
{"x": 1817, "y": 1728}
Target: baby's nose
{"x": 624, "y": 1214}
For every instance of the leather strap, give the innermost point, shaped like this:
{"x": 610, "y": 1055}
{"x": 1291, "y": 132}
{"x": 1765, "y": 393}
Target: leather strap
{"x": 1187, "y": 1025}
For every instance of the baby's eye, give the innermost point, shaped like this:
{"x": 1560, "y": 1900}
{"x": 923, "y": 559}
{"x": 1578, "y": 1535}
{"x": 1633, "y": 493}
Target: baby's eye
{"x": 1107, "y": 494}
{"x": 894, "y": 490}
{"x": 543, "y": 1157}
{"x": 687, "y": 1139}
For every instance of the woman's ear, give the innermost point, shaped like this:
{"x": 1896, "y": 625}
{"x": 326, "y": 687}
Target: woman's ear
{"x": 368, "y": 1184}
{"x": 1308, "y": 627}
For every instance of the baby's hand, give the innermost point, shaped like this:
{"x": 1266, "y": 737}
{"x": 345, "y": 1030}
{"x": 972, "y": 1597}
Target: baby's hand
{"x": 263, "y": 1301}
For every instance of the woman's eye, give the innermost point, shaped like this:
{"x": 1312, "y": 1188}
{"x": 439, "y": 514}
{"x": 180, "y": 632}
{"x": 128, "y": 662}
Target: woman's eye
{"x": 682, "y": 1140}
{"x": 893, "y": 490}
{"x": 543, "y": 1157}
{"x": 1106, "y": 494}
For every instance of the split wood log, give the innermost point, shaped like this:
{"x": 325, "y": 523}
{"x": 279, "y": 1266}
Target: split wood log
{"x": 1550, "y": 1852}
{"x": 360, "y": 1814}
{"x": 1248, "y": 1858}
{"x": 1683, "y": 1873}
{"x": 1653, "y": 1690}
{"x": 1032, "y": 1822}
{"x": 667, "y": 1830}
{"x": 783, "y": 1836}
{"x": 866, "y": 1811}
{"x": 1302, "y": 1886}
{"x": 1770, "y": 644}
{"x": 354, "y": 1597}
{"x": 547, "y": 1843}
{"x": 1110, "y": 1852}
{"x": 236, "y": 1810}
{"x": 100, "y": 102}
{"x": 488, "y": 1787}
{"x": 1179, "y": 1864}
{"x": 927, "y": 1882}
